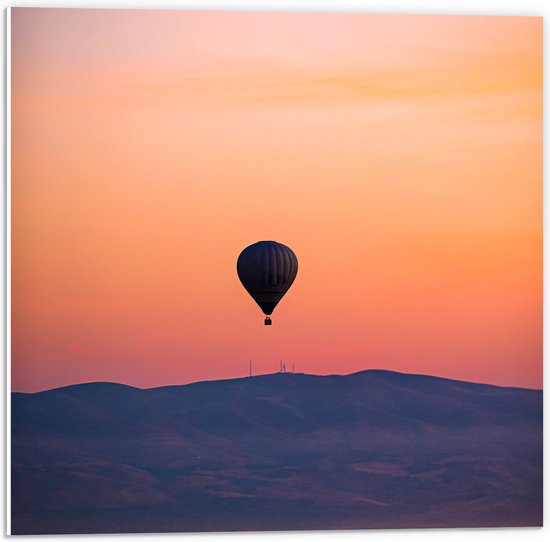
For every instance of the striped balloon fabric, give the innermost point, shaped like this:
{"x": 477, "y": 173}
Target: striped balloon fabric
{"x": 267, "y": 269}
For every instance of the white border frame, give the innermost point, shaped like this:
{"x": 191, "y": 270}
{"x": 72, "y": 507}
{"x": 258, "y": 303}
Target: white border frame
{"x": 6, "y": 287}
{"x": 449, "y": 7}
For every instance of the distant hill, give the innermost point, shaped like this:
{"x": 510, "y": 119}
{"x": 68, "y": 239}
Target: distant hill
{"x": 375, "y": 449}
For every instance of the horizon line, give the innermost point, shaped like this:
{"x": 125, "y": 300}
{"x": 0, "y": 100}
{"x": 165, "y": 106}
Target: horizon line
{"x": 272, "y": 374}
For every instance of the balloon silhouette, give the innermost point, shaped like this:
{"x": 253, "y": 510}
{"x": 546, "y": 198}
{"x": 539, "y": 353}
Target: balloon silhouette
{"x": 267, "y": 269}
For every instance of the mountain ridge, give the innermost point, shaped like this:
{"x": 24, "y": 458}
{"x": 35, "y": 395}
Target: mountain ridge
{"x": 364, "y": 372}
{"x": 283, "y": 451}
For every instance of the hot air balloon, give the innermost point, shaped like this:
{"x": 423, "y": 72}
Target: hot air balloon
{"x": 267, "y": 269}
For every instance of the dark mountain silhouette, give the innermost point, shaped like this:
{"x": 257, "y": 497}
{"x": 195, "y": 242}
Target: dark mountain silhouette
{"x": 374, "y": 449}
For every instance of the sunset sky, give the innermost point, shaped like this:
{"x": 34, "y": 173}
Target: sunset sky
{"x": 400, "y": 157}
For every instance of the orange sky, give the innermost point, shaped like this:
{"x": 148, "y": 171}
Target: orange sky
{"x": 400, "y": 157}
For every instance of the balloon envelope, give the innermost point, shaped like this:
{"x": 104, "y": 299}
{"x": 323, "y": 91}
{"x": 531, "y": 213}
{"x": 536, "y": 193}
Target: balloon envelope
{"x": 267, "y": 269}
